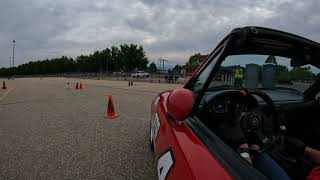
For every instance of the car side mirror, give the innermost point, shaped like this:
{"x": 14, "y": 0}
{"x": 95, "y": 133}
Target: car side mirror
{"x": 180, "y": 103}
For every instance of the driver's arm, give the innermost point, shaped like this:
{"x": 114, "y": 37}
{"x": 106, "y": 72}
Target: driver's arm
{"x": 312, "y": 154}
{"x": 244, "y": 152}
{"x": 298, "y": 147}
{"x": 234, "y": 136}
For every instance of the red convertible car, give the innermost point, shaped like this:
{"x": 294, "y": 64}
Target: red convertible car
{"x": 262, "y": 80}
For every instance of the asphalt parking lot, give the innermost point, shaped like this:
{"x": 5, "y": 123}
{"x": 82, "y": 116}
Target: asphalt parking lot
{"x": 49, "y": 132}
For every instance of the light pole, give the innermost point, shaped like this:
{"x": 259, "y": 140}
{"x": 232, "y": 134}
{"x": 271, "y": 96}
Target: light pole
{"x": 162, "y": 60}
{"x": 13, "y": 56}
{"x": 10, "y": 62}
{"x": 107, "y": 66}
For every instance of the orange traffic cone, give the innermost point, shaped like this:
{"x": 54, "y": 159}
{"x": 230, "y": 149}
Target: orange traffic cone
{"x": 77, "y": 87}
{"x": 4, "y": 85}
{"x": 80, "y": 86}
{"x": 110, "y": 114}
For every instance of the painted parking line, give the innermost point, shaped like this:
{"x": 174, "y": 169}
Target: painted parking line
{"x": 5, "y": 94}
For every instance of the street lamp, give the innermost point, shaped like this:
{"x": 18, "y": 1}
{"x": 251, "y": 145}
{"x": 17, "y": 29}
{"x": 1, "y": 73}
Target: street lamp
{"x": 13, "y": 56}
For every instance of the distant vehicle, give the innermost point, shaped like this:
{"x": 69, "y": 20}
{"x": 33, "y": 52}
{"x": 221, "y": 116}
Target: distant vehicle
{"x": 120, "y": 73}
{"x": 192, "y": 129}
{"x": 140, "y": 74}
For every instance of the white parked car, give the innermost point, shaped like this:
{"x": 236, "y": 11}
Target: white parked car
{"x": 140, "y": 74}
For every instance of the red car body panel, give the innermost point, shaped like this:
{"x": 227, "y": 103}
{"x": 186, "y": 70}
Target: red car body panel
{"x": 179, "y": 152}
{"x": 192, "y": 159}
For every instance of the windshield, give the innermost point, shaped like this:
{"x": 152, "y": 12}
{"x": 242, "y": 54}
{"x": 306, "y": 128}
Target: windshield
{"x": 266, "y": 72}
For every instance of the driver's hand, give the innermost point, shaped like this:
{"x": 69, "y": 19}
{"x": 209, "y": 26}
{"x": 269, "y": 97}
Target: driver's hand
{"x": 233, "y": 135}
{"x": 294, "y": 146}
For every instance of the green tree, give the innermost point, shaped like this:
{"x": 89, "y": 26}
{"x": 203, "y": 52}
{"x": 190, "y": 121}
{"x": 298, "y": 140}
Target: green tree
{"x": 194, "y": 60}
{"x": 271, "y": 59}
{"x": 152, "y": 67}
{"x": 133, "y": 57}
{"x": 125, "y": 57}
{"x": 177, "y": 68}
{"x": 301, "y": 73}
{"x": 282, "y": 75}
{"x": 115, "y": 59}
{"x": 281, "y": 70}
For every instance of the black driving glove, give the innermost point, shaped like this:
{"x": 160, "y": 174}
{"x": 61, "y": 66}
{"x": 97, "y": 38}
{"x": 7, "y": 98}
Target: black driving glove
{"x": 233, "y": 135}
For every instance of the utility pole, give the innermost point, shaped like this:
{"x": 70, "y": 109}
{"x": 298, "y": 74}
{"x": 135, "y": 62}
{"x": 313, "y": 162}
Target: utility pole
{"x": 10, "y": 62}
{"x": 13, "y": 56}
{"x": 162, "y": 60}
{"x": 107, "y": 66}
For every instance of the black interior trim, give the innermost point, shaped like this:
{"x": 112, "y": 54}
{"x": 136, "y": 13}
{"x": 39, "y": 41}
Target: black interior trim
{"x": 312, "y": 91}
{"x": 202, "y": 67}
{"x": 218, "y": 58}
{"x": 237, "y": 167}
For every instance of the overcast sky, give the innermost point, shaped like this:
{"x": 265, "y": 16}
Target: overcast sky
{"x": 171, "y": 29}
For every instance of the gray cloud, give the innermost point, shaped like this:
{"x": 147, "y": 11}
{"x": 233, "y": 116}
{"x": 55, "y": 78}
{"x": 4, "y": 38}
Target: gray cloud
{"x": 169, "y": 29}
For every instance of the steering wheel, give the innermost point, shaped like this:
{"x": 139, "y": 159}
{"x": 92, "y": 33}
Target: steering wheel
{"x": 260, "y": 121}
{"x": 265, "y": 123}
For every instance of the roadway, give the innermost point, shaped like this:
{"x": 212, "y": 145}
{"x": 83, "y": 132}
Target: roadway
{"x": 49, "y": 132}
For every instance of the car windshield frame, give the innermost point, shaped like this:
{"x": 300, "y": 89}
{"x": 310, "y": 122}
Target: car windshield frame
{"x": 280, "y": 75}
{"x": 257, "y": 40}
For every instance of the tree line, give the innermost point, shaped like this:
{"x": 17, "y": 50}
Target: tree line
{"x": 123, "y": 58}
{"x": 286, "y": 76}
{"x": 283, "y": 74}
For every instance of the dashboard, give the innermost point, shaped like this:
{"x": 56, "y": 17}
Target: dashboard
{"x": 228, "y": 105}
{"x": 225, "y": 108}
{"x": 219, "y": 104}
